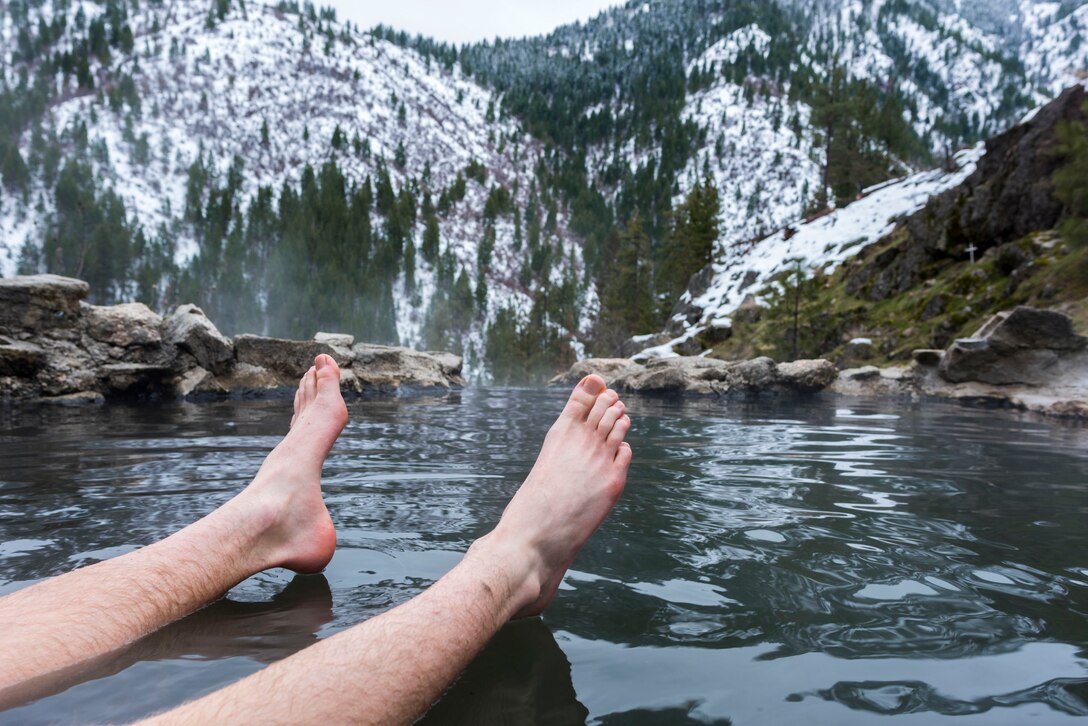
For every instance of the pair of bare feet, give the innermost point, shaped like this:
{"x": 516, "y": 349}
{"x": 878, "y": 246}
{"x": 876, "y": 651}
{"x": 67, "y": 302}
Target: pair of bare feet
{"x": 577, "y": 478}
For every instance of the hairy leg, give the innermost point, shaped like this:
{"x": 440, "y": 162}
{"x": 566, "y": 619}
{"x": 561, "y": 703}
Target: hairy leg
{"x": 391, "y": 668}
{"x": 279, "y": 520}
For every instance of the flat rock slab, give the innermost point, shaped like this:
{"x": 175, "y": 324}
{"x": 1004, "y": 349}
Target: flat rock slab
{"x": 706, "y": 376}
{"x": 386, "y": 367}
{"x": 35, "y": 302}
{"x": 288, "y": 359}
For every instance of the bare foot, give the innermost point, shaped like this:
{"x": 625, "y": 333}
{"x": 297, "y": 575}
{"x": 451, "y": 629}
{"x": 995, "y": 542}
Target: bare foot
{"x": 577, "y": 479}
{"x": 285, "y": 496}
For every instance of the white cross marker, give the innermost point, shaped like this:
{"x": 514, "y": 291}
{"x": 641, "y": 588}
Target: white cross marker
{"x": 972, "y": 250}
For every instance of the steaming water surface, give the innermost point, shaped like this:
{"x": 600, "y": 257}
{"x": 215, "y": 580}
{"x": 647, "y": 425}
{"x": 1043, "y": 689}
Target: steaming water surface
{"x": 768, "y": 564}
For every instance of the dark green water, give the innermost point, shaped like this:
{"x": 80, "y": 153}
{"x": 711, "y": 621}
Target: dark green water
{"x": 768, "y": 564}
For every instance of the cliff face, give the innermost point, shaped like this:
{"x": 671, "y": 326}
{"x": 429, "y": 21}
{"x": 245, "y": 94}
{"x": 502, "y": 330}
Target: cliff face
{"x": 1009, "y": 196}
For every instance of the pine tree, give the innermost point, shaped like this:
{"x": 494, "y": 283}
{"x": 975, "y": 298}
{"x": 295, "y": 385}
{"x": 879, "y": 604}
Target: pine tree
{"x": 625, "y": 289}
{"x": 1071, "y": 180}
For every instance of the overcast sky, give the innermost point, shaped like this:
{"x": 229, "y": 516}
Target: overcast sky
{"x": 464, "y": 21}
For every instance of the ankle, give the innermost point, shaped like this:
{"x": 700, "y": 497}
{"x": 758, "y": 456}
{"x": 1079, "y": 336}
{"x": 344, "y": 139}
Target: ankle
{"x": 517, "y": 565}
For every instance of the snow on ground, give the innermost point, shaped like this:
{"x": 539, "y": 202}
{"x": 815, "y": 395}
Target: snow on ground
{"x": 210, "y": 90}
{"x": 823, "y": 243}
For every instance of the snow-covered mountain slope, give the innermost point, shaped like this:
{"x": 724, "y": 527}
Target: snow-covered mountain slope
{"x": 823, "y": 243}
{"x": 271, "y": 88}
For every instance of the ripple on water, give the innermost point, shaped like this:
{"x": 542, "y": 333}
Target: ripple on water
{"x": 769, "y": 563}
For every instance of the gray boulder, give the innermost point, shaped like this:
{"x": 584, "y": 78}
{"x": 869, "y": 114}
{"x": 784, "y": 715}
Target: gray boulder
{"x": 286, "y": 358}
{"x": 385, "y": 368}
{"x": 807, "y": 376}
{"x": 1023, "y": 346}
{"x": 124, "y": 325}
{"x": 607, "y": 368}
{"x": 676, "y": 376}
{"x": 190, "y": 330}
{"x": 39, "y": 302}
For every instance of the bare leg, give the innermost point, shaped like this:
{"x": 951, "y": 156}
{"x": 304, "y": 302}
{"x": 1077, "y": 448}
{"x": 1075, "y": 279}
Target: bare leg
{"x": 391, "y": 668}
{"x": 279, "y": 520}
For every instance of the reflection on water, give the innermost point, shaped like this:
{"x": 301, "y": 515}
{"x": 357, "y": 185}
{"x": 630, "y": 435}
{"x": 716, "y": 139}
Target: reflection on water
{"x": 769, "y": 563}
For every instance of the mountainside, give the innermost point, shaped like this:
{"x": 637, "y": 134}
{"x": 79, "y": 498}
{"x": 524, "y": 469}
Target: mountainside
{"x": 517, "y": 201}
{"x": 914, "y": 264}
{"x": 193, "y": 105}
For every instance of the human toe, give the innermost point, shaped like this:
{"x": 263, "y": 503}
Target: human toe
{"x": 610, "y": 417}
{"x": 619, "y": 430}
{"x": 602, "y": 404}
{"x": 583, "y": 397}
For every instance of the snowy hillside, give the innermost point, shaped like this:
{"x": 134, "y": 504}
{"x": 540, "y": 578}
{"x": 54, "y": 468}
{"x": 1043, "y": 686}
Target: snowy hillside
{"x": 823, "y": 243}
{"x": 272, "y": 88}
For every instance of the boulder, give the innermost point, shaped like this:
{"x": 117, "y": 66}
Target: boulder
{"x": 286, "y": 358}
{"x": 342, "y": 340}
{"x": 39, "y": 302}
{"x": 385, "y": 368}
{"x": 808, "y": 376}
{"x": 607, "y": 368}
{"x": 125, "y": 326}
{"x": 711, "y": 376}
{"x": 245, "y": 378}
{"x": 190, "y": 330}
{"x": 1018, "y": 347}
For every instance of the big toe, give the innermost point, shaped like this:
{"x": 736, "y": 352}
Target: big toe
{"x": 583, "y": 397}
{"x": 328, "y": 374}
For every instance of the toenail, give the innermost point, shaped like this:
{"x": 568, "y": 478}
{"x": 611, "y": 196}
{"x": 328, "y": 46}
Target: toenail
{"x": 592, "y": 385}
{"x": 320, "y": 362}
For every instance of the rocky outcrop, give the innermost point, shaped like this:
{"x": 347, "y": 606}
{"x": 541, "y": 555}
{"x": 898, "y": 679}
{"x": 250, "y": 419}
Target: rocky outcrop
{"x": 1024, "y": 346}
{"x": 1026, "y": 358}
{"x": 56, "y": 348}
{"x": 1008, "y": 196}
{"x": 706, "y": 376}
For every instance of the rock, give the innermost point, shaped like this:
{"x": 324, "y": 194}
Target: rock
{"x": 1018, "y": 347}
{"x": 1069, "y": 409}
{"x": 133, "y": 377}
{"x": 808, "y": 376}
{"x": 287, "y": 358}
{"x": 245, "y": 378}
{"x": 190, "y": 330}
{"x": 865, "y": 373}
{"x": 197, "y": 381}
{"x": 710, "y": 376}
{"x": 387, "y": 368}
{"x": 757, "y": 374}
{"x": 124, "y": 325}
{"x": 341, "y": 340}
{"x": 82, "y": 398}
{"x": 859, "y": 349}
{"x": 19, "y": 358}
{"x": 1027, "y": 327}
{"x": 607, "y": 368}
{"x": 927, "y": 357}
{"x": 38, "y": 302}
